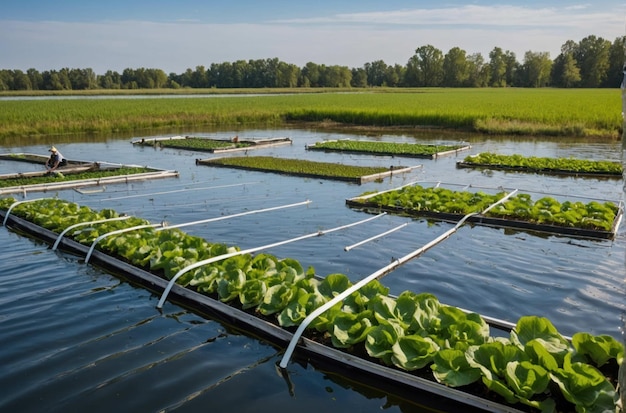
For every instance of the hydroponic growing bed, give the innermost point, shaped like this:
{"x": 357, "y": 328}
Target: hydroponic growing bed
{"x": 212, "y": 145}
{"x": 594, "y": 219}
{"x": 76, "y": 174}
{"x": 410, "y": 343}
{"x": 307, "y": 169}
{"x": 387, "y": 148}
{"x": 544, "y": 165}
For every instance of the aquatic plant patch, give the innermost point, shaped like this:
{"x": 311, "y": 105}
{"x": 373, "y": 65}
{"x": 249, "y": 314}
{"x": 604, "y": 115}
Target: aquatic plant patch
{"x": 386, "y": 148}
{"x": 199, "y": 144}
{"x": 535, "y": 365}
{"x": 542, "y": 164}
{"x": 417, "y": 199}
{"x": 299, "y": 167}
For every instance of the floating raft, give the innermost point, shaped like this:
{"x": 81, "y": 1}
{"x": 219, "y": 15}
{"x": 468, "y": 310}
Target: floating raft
{"x": 419, "y": 390}
{"x": 546, "y": 171}
{"x": 213, "y": 145}
{"x": 384, "y": 148}
{"x": 362, "y": 203}
{"x": 39, "y": 159}
{"x": 308, "y": 169}
{"x": 74, "y": 167}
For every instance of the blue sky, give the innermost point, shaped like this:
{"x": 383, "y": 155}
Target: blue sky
{"x": 177, "y": 35}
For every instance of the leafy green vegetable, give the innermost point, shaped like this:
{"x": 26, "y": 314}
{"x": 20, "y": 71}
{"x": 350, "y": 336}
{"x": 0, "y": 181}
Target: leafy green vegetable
{"x": 543, "y": 164}
{"x": 413, "y": 352}
{"x": 450, "y": 367}
{"x": 599, "y": 349}
{"x": 585, "y": 386}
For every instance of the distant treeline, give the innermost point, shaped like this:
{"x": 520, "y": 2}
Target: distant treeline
{"x": 593, "y": 62}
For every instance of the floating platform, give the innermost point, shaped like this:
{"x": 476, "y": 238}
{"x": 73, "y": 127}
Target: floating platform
{"x": 212, "y": 145}
{"x": 544, "y": 171}
{"x": 74, "y": 167}
{"x": 319, "y": 146}
{"x": 361, "y": 203}
{"x": 419, "y": 390}
{"x": 309, "y": 169}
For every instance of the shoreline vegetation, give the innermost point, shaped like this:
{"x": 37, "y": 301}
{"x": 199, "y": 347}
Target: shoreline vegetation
{"x": 586, "y": 113}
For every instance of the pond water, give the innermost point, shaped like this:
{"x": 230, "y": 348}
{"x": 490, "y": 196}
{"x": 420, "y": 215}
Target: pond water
{"x": 76, "y": 338}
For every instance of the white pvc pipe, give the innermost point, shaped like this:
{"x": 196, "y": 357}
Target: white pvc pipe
{"x": 320, "y": 310}
{"x": 119, "y": 231}
{"x": 80, "y": 224}
{"x": 252, "y": 250}
{"x": 173, "y": 191}
{"x": 6, "y": 217}
{"x": 240, "y": 214}
{"x": 349, "y": 247}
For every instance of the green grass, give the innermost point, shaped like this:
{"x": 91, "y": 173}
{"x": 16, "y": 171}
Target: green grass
{"x": 535, "y": 112}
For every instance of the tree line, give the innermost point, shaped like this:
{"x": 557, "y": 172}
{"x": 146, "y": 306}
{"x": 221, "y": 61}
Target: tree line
{"x": 593, "y": 62}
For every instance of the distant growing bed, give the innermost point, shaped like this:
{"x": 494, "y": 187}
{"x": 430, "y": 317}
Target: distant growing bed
{"x": 532, "y": 164}
{"x": 299, "y": 167}
{"x": 387, "y": 148}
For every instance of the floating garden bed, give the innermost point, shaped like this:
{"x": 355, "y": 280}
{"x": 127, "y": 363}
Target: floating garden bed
{"x": 212, "y": 145}
{"x": 410, "y": 341}
{"x": 532, "y": 164}
{"x": 388, "y": 148}
{"x": 310, "y": 169}
{"x": 595, "y": 219}
{"x": 75, "y": 175}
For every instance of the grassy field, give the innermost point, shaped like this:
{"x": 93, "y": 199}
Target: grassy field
{"x": 535, "y": 112}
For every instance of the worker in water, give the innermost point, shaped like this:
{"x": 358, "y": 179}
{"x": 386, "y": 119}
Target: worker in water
{"x": 56, "y": 160}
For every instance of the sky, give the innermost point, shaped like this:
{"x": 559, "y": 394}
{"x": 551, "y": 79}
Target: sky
{"x": 176, "y": 35}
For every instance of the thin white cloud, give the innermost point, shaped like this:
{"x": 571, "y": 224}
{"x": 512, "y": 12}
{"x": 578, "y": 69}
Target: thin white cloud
{"x": 500, "y": 15}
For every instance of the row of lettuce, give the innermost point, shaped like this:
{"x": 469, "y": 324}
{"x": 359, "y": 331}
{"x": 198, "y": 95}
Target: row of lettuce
{"x": 592, "y": 215}
{"x": 535, "y": 365}
{"x": 545, "y": 164}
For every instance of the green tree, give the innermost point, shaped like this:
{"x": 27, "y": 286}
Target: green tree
{"x": 425, "y": 67}
{"x": 498, "y": 66}
{"x": 592, "y": 57}
{"x": 455, "y": 68}
{"x": 617, "y": 58}
{"x": 287, "y": 75}
{"x": 479, "y": 72}
{"x": 36, "y": 79}
{"x": 310, "y": 75}
{"x": 21, "y": 81}
{"x": 375, "y": 72}
{"x": 359, "y": 77}
{"x": 536, "y": 69}
{"x": 394, "y": 75}
{"x": 110, "y": 80}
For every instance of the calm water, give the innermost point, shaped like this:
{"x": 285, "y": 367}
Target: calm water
{"x": 75, "y": 338}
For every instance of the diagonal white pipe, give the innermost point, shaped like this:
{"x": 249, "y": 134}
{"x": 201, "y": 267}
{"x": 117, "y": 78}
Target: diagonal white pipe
{"x": 249, "y": 251}
{"x": 388, "y": 268}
